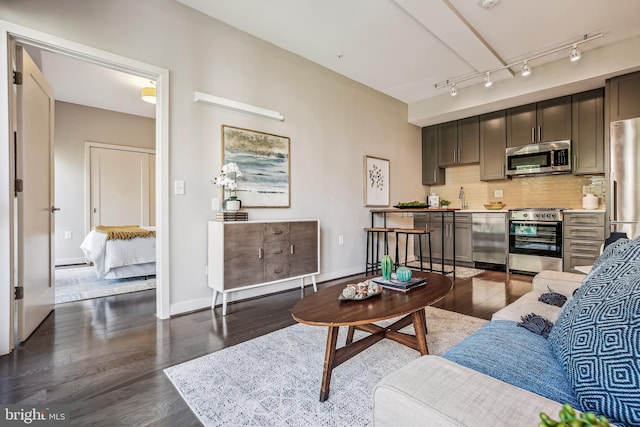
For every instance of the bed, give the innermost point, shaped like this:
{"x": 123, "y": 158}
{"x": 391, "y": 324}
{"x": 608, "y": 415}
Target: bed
{"x": 121, "y": 251}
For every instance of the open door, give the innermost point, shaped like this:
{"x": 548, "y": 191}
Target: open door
{"x": 35, "y": 221}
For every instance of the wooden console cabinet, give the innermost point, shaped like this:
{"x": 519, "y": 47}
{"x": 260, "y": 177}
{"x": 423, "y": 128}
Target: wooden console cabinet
{"x": 247, "y": 254}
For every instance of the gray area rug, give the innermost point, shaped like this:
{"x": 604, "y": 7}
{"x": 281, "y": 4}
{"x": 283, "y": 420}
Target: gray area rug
{"x": 274, "y": 380}
{"x": 461, "y": 272}
{"x": 79, "y": 283}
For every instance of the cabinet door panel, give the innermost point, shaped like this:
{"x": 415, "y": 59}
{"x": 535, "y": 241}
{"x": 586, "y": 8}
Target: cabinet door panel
{"x": 469, "y": 140}
{"x": 493, "y": 143}
{"x": 588, "y": 132}
{"x": 447, "y": 143}
{"x": 303, "y": 239}
{"x": 521, "y": 125}
{"x": 625, "y": 93}
{"x": 432, "y": 174}
{"x": 243, "y": 255}
{"x": 554, "y": 119}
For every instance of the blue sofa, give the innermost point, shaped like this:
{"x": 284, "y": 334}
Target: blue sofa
{"x": 505, "y": 375}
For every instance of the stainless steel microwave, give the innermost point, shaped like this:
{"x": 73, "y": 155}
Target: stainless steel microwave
{"x": 542, "y": 158}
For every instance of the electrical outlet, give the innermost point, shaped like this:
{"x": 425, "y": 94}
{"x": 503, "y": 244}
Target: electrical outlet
{"x": 341, "y": 239}
{"x": 68, "y": 235}
{"x": 498, "y": 193}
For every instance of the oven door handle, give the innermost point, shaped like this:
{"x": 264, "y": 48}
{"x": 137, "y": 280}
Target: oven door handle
{"x": 549, "y": 223}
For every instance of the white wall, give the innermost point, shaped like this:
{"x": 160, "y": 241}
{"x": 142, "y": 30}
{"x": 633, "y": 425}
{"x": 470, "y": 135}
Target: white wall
{"x": 75, "y": 125}
{"x": 332, "y": 122}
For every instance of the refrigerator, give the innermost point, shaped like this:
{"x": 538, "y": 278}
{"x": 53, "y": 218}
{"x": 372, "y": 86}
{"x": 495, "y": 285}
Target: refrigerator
{"x": 624, "y": 176}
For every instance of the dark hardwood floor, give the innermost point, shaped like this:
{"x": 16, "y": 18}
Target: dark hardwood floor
{"x": 104, "y": 358}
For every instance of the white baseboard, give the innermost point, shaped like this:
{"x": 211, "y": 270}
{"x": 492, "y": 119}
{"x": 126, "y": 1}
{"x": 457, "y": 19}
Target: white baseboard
{"x": 70, "y": 261}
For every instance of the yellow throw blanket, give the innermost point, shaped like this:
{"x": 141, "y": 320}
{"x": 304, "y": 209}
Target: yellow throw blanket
{"x": 124, "y": 232}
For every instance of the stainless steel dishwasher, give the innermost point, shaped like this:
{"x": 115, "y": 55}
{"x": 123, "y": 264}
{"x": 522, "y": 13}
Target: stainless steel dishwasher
{"x": 489, "y": 231}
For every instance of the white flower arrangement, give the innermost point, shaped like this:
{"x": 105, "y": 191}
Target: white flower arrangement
{"x": 227, "y": 179}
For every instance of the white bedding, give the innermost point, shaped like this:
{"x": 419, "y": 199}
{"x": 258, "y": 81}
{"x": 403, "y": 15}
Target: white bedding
{"x": 114, "y": 259}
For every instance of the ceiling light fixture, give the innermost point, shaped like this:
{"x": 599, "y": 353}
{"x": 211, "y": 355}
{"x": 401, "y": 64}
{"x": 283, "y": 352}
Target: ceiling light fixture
{"x": 148, "y": 93}
{"x": 453, "y": 90}
{"x": 575, "y": 55}
{"x": 487, "y": 80}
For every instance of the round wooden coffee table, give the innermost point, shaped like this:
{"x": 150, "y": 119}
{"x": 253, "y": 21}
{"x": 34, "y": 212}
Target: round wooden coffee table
{"x": 324, "y": 309}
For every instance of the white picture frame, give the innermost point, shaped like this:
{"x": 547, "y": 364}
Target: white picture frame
{"x": 376, "y": 181}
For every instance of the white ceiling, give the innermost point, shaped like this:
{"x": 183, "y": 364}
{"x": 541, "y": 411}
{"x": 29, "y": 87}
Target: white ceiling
{"x": 84, "y": 83}
{"x": 403, "y": 47}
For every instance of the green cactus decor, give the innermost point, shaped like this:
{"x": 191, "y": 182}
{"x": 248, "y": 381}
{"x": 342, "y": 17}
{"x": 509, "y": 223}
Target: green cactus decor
{"x": 403, "y": 274}
{"x": 569, "y": 418}
{"x": 386, "y": 266}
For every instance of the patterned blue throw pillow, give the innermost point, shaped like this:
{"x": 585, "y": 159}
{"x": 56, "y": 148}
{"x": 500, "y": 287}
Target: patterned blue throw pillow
{"x": 597, "y": 336}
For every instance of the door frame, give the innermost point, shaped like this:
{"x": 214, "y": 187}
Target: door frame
{"x": 27, "y": 36}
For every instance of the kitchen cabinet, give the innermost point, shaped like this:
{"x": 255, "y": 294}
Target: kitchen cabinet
{"x": 544, "y": 121}
{"x": 432, "y": 174}
{"x": 463, "y": 236}
{"x": 624, "y": 97}
{"x": 493, "y": 142}
{"x": 583, "y": 235}
{"x": 588, "y": 132}
{"x": 459, "y": 142}
{"x": 245, "y": 254}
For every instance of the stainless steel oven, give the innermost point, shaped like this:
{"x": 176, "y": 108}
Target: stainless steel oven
{"x": 535, "y": 240}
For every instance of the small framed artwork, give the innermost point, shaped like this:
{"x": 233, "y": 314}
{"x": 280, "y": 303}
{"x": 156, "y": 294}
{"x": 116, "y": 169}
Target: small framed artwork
{"x": 376, "y": 181}
{"x": 263, "y": 160}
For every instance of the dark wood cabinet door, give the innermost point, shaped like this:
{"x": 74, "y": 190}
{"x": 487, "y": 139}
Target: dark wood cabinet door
{"x": 432, "y": 174}
{"x": 243, "y": 255}
{"x": 303, "y": 249}
{"x": 588, "y": 132}
{"x": 447, "y": 143}
{"x": 624, "y": 99}
{"x": 468, "y": 140}
{"x": 493, "y": 143}
{"x": 521, "y": 125}
{"x": 554, "y": 120}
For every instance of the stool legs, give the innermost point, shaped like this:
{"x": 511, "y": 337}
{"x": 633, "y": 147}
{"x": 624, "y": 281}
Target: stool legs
{"x": 374, "y": 240}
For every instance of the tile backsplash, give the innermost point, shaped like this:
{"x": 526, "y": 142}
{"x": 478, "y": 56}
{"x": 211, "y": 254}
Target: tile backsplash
{"x": 549, "y": 191}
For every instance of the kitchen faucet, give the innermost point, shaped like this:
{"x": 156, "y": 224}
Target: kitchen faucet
{"x": 461, "y": 196}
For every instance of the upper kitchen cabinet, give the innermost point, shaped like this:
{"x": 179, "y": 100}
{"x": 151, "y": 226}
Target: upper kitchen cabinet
{"x": 458, "y": 142}
{"x": 624, "y": 97}
{"x": 588, "y": 132}
{"x": 431, "y": 173}
{"x": 544, "y": 121}
{"x": 493, "y": 142}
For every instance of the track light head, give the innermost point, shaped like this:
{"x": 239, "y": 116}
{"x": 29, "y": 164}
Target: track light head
{"x": 487, "y": 80}
{"x": 525, "y": 69}
{"x": 453, "y": 90}
{"x": 575, "y": 53}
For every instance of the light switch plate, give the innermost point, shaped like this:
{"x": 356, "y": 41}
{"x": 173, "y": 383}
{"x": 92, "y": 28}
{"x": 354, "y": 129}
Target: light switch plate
{"x": 498, "y": 193}
{"x": 179, "y": 187}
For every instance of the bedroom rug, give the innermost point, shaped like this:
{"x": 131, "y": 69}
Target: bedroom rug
{"x": 79, "y": 283}
{"x": 274, "y": 380}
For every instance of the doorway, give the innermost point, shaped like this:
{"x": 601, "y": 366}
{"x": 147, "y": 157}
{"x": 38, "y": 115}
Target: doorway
{"x": 8, "y": 257}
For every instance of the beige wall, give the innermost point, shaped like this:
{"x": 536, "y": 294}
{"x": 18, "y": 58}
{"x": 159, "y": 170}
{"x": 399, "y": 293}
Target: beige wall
{"x": 75, "y": 125}
{"x": 332, "y": 122}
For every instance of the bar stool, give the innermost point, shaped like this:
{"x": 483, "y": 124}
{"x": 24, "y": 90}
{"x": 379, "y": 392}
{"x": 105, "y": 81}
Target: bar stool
{"x": 374, "y": 235}
{"x": 413, "y": 232}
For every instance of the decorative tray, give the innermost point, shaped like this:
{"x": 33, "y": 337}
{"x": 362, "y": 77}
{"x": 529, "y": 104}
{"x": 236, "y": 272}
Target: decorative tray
{"x": 357, "y": 298}
{"x": 494, "y": 206}
{"x": 411, "y": 207}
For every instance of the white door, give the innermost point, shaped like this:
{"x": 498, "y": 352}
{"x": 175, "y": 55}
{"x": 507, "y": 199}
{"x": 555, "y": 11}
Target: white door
{"x": 119, "y": 187}
{"x": 35, "y": 144}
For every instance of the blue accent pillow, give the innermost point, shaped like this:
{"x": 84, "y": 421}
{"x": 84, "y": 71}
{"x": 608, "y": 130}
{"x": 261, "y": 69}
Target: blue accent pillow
{"x": 596, "y": 337}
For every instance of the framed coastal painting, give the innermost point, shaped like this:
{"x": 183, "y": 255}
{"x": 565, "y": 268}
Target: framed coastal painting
{"x": 376, "y": 181}
{"x": 264, "y": 161}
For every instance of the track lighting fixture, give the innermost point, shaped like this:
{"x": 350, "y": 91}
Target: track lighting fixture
{"x": 525, "y": 70}
{"x": 575, "y": 53}
{"x": 487, "y": 80}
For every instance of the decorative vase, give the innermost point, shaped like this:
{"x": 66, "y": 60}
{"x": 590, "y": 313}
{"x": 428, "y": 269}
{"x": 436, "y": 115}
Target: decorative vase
{"x": 403, "y": 274}
{"x": 386, "y": 266}
{"x": 232, "y": 205}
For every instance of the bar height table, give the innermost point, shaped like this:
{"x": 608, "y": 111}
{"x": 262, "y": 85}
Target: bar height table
{"x": 382, "y": 213}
